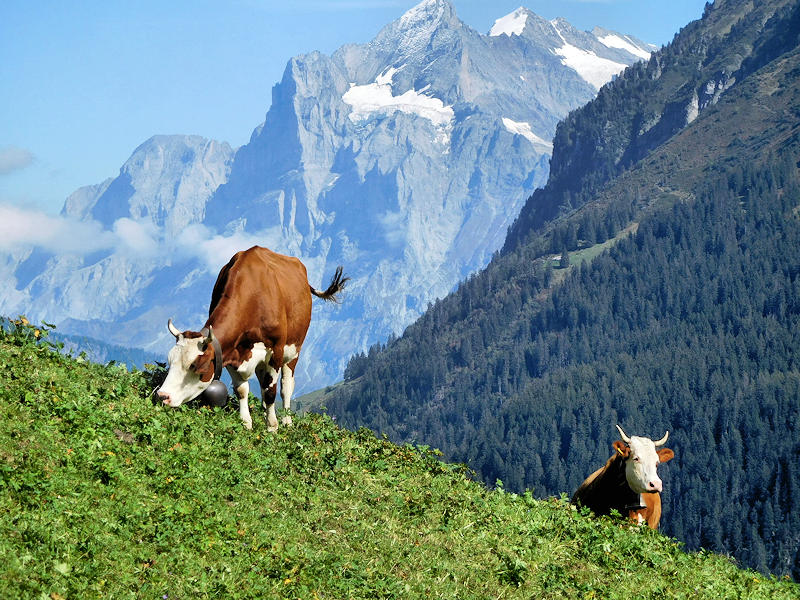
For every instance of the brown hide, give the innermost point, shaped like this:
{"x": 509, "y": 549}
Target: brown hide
{"x": 607, "y": 489}
{"x": 260, "y": 296}
{"x": 651, "y": 513}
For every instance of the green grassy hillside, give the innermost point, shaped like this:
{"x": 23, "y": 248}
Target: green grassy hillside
{"x": 106, "y": 494}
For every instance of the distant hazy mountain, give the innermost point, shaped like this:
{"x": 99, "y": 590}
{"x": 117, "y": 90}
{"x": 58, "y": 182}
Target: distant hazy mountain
{"x": 405, "y": 160}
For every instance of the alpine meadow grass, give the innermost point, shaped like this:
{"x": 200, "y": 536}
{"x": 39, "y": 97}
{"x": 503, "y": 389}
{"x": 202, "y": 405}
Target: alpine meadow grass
{"x": 107, "y": 494}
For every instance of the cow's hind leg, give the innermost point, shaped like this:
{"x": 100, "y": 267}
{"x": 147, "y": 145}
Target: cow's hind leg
{"x": 287, "y": 389}
{"x": 268, "y": 378}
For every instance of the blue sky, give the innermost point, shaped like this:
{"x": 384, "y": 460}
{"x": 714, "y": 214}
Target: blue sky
{"x": 84, "y": 83}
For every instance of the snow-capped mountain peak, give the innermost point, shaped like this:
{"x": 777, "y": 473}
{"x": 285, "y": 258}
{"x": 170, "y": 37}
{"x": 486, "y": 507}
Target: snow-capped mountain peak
{"x": 426, "y": 13}
{"x": 512, "y": 24}
{"x": 596, "y": 56}
{"x": 414, "y": 30}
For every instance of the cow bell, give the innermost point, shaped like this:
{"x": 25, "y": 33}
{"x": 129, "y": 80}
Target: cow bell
{"x": 216, "y": 394}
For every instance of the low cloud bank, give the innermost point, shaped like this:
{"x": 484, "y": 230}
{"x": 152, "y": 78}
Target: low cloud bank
{"x": 22, "y": 229}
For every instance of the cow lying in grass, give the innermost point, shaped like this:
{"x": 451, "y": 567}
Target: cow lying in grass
{"x": 628, "y": 483}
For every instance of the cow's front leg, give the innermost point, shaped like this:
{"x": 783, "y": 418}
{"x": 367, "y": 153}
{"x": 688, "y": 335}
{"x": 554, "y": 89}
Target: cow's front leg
{"x": 242, "y": 392}
{"x": 287, "y": 389}
{"x": 268, "y": 378}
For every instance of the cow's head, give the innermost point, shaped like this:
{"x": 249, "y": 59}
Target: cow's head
{"x": 641, "y": 461}
{"x": 191, "y": 365}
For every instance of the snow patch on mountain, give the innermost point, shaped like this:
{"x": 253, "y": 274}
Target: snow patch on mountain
{"x": 377, "y": 97}
{"x": 524, "y": 129}
{"x": 593, "y": 69}
{"x": 615, "y": 41}
{"x": 512, "y": 24}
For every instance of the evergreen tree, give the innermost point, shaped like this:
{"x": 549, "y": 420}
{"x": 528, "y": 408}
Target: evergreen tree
{"x": 563, "y": 263}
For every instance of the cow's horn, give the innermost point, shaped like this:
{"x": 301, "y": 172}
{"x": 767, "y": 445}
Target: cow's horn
{"x": 662, "y": 441}
{"x": 172, "y": 329}
{"x": 625, "y": 438}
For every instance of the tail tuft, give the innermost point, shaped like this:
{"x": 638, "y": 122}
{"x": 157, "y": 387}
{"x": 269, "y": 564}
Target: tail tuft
{"x": 336, "y": 285}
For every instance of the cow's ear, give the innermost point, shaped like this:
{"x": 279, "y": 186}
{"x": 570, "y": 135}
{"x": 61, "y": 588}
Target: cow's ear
{"x": 623, "y": 450}
{"x": 665, "y": 454}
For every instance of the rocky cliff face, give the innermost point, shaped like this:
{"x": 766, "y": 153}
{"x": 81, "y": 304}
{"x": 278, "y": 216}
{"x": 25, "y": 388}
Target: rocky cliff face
{"x": 405, "y": 160}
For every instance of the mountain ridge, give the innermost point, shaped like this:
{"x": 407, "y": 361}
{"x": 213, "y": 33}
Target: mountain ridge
{"x": 691, "y": 74}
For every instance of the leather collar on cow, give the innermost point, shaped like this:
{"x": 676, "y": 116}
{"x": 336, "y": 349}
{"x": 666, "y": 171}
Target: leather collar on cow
{"x": 637, "y": 506}
{"x": 217, "y": 351}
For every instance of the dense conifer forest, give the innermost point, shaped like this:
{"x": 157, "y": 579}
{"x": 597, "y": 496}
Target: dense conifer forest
{"x": 653, "y": 283}
{"x": 691, "y": 324}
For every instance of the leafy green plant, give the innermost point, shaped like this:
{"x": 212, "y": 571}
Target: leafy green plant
{"x": 21, "y": 332}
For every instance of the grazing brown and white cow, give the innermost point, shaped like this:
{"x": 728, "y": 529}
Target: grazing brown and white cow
{"x": 628, "y": 482}
{"x": 258, "y": 318}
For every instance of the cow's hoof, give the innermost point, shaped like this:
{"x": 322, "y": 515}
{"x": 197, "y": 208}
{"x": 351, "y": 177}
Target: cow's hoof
{"x": 272, "y": 428}
{"x": 248, "y": 424}
{"x": 287, "y": 420}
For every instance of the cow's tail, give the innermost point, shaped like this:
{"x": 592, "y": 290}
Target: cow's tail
{"x": 336, "y": 285}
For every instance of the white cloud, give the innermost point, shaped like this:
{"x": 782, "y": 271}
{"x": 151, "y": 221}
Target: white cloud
{"x": 394, "y": 227}
{"x": 13, "y": 159}
{"x": 140, "y": 238}
{"x": 214, "y": 250}
{"x": 21, "y": 228}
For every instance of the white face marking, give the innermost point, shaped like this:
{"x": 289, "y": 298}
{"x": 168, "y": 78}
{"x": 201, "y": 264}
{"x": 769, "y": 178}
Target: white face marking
{"x": 182, "y": 383}
{"x": 641, "y": 466}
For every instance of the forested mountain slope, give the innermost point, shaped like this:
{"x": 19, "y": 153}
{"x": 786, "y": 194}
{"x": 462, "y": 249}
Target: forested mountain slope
{"x": 680, "y": 309}
{"x": 656, "y": 99}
